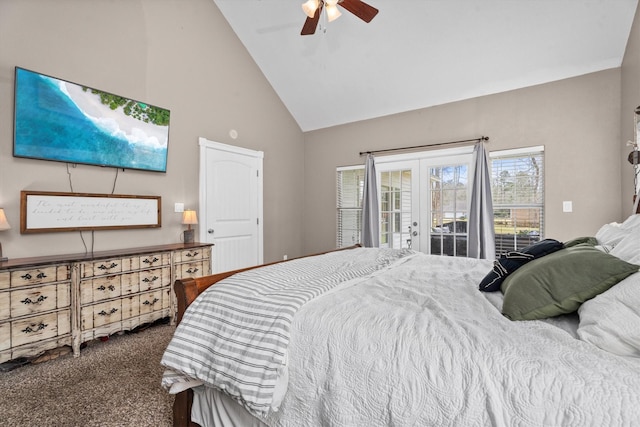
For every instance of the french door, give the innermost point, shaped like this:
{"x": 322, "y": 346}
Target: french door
{"x": 424, "y": 201}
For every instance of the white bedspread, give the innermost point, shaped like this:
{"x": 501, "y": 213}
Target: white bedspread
{"x": 235, "y": 336}
{"x": 419, "y": 345}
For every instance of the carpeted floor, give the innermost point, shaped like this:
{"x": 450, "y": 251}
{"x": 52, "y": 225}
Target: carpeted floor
{"x": 112, "y": 383}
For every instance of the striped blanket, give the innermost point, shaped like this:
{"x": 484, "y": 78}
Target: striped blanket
{"x": 234, "y": 337}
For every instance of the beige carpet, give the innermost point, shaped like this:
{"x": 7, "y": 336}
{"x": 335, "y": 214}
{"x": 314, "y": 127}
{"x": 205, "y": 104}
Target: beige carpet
{"x": 112, "y": 383}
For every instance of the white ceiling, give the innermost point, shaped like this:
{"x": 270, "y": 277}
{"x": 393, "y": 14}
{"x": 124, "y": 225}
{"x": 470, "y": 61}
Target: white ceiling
{"x": 420, "y": 53}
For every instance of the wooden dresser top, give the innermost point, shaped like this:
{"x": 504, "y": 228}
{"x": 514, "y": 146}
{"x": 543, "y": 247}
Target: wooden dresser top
{"x": 33, "y": 261}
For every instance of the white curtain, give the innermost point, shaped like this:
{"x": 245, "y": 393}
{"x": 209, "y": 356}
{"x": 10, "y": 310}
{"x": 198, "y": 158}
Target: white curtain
{"x": 370, "y": 213}
{"x": 481, "y": 231}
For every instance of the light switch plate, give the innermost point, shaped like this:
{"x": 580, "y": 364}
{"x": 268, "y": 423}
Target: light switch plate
{"x": 567, "y": 206}
{"x": 179, "y": 207}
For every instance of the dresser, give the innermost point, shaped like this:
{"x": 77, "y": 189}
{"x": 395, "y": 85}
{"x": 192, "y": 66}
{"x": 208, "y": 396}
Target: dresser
{"x": 48, "y": 302}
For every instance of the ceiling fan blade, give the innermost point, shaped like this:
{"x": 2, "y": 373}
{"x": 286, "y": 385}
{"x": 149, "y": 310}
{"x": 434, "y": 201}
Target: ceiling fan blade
{"x": 311, "y": 24}
{"x": 359, "y": 8}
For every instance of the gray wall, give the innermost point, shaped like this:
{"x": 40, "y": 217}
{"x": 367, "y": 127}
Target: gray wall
{"x": 630, "y": 100}
{"x": 577, "y": 120}
{"x": 177, "y": 54}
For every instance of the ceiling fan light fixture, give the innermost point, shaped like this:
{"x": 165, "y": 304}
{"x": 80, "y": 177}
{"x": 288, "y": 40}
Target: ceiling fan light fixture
{"x": 310, "y": 7}
{"x": 332, "y": 12}
{"x": 313, "y": 10}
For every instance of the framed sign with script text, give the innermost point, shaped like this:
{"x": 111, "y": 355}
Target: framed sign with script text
{"x": 42, "y": 211}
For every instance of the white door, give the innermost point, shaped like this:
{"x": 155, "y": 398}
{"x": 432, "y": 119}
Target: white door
{"x": 231, "y": 205}
{"x": 399, "y": 203}
{"x": 424, "y": 201}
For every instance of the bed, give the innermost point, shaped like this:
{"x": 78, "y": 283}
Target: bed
{"x": 380, "y": 337}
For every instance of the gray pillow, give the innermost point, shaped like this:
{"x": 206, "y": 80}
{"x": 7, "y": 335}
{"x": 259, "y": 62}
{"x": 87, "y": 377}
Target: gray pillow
{"x": 560, "y": 282}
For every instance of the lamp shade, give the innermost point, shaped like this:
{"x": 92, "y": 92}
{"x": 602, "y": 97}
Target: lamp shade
{"x": 332, "y": 12}
{"x": 189, "y": 217}
{"x": 310, "y": 7}
{"x": 4, "y": 224}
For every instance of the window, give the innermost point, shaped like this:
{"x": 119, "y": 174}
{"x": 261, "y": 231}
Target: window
{"x": 449, "y": 209}
{"x": 518, "y": 197}
{"x": 349, "y": 191}
{"x": 424, "y": 202}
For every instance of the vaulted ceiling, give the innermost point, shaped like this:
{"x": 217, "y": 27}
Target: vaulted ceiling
{"x": 419, "y": 53}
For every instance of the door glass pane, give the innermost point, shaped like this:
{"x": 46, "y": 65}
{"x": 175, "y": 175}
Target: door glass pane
{"x": 449, "y": 201}
{"x": 395, "y": 208}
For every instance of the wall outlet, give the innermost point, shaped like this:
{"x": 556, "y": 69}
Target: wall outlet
{"x": 179, "y": 207}
{"x": 567, "y": 206}
{"x": 285, "y": 257}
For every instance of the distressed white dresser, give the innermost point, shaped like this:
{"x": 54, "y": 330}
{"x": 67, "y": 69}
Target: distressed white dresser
{"x": 48, "y": 302}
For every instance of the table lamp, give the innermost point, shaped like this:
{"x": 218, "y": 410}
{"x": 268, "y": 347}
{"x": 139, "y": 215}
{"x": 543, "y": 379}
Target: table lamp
{"x": 4, "y": 225}
{"x": 189, "y": 217}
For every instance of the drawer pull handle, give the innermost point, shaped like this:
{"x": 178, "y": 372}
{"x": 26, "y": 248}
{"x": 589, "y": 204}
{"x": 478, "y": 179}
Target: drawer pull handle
{"x": 110, "y": 287}
{"x": 104, "y": 267}
{"x": 192, "y": 254}
{"x": 192, "y": 270}
{"x": 153, "y": 279}
{"x": 104, "y": 313}
{"x": 38, "y": 300}
{"x": 155, "y": 300}
{"x": 148, "y": 261}
{"x": 29, "y": 276}
{"x": 30, "y": 329}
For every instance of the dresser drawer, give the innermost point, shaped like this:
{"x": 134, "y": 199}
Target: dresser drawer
{"x": 130, "y": 307}
{"x": 5, "y": 280}
{"x": 151, "y": 301}
{"x": 100, "y": 288}
{"x": 190, "y": 269}
{"x": 129, "y": 263}
{"x": 156, "y": 278}
{"x": 101, "y": 268}
{"x": 155, "y": 260}
{"x": 5, "y": 305}
{"x": 37, "y": 276}
{"x": 40, "y": 328}
{"x": 189, "y": 255}
{"x": 37, "y": 300}
{"x": 97, "y": 315}
{"x": 130, "y": 283}
{"x": 5, "y": 336}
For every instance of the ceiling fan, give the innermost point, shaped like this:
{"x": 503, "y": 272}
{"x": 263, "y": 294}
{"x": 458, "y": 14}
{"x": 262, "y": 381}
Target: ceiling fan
{"x": 313, "y": 10}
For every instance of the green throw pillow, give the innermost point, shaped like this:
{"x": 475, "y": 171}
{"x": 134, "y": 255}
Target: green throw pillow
{"x": 578, "y": 240}
{"x": 560, "y": 282}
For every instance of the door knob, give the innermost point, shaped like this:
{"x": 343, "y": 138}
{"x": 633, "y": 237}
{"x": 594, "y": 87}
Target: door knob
{"x": 210, "y": 231}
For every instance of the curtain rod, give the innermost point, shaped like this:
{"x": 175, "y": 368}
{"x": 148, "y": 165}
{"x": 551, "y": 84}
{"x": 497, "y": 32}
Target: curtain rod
{"x": 482, "y": 138}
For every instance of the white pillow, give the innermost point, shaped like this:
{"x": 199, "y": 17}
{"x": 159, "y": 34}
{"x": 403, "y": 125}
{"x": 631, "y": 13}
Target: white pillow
{"x": 611, "y": 234}
{"x": 632, "y": 222}
{"x": 628, "y": 249}
{"x": 611, "y": 320}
